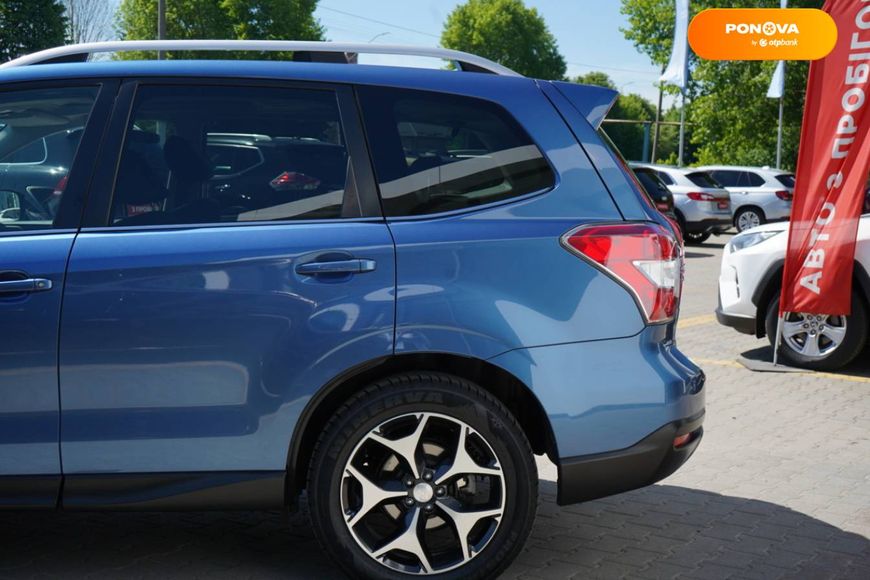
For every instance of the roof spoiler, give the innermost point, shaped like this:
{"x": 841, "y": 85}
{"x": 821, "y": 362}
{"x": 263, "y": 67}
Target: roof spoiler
{"x": 591, "y": 101}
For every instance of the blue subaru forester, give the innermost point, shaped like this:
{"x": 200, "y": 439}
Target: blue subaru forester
{"x": 386, "y": 287}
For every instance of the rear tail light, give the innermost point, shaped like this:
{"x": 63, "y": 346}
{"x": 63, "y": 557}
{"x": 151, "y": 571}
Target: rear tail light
{"x": 643, "y": 257}
{"x": 700, "y": 196}
{"x": 61, "y": 185}
{"x": 784, "y": 195}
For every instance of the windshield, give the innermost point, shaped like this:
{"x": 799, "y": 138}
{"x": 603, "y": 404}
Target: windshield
{"x": 703, "y": 179}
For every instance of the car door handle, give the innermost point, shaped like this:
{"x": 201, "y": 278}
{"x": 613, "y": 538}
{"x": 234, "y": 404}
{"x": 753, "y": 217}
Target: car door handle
{"x": 25, "y": 285}
{"x": 336, "y": 267}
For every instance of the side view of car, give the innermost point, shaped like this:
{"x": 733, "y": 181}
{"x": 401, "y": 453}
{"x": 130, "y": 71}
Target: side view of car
{"x": 702, "y": 207}
{"x": 749, "y": 288}
{"x": 386, "y": 288}
{"x": 758, "y": 194}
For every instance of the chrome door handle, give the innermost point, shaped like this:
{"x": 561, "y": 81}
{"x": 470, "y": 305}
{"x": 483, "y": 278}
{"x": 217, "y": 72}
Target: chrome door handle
{"x": 336, "y": 267}
{"x": 25, "y": 285}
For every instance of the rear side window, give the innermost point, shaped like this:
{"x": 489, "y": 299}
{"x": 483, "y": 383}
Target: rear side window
{"x": 787, "y": 179}
{"x": 703, "y": 179}
{"x": 214, "y": 154}
{"x": 752, "y": 180}
{"x": 434, "y": 152}
{"x": 727, "y": 178}
{"x": 32, "y": 181}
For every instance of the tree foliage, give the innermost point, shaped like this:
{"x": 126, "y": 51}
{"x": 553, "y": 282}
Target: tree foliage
{"x": 507, "y": 32}
{"x": 732, "y": 120}
{"x": 221, "y": 19}
{"x": 628, "y": 137}
{"x": 30, "y": 25}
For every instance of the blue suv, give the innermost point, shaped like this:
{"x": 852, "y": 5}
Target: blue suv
{"x": 387, "y": 288}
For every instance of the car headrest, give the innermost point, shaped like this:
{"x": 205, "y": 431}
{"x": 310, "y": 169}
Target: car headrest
{"x": 185, "y": 161}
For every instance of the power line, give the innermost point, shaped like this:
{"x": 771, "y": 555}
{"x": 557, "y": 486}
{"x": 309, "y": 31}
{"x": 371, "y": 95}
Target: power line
{"x": 381, "y": 22}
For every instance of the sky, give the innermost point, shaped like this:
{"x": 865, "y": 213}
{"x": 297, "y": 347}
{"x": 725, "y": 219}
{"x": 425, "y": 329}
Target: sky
{"x": 587, "y": 32}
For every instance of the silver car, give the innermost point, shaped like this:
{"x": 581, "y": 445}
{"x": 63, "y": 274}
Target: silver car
{"x": 758, "y": 194}
{"x": 702, "y": 207}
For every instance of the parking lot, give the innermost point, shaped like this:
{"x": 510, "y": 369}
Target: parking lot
{"x": 780, "y": 487}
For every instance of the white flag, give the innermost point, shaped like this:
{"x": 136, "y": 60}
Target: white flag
{"x": 677, "y": 71}
{"x": 777, "y": 83}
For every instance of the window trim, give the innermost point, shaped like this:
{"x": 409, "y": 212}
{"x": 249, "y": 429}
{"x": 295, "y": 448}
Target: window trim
{"x": 461, "y": 211}
{"x": 69, "y": 216}
{"x": 98, "y": 214}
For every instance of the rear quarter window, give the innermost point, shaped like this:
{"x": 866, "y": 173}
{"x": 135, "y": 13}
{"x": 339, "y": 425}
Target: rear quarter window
{"x": 703, "y": 179}
{"x": 434, "y": 152}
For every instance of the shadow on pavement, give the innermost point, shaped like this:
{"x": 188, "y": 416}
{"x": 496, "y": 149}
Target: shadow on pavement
{"x": 762, "y": 358}
{"x": 659, "y": 532}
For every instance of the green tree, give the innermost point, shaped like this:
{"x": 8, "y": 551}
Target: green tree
{"x": 628, "y": 137}
{"x": 218, "y": 19}
{"x": 507, "y": 32}
{"x": 30, "y": 25}
{"x": 730, "y": 116}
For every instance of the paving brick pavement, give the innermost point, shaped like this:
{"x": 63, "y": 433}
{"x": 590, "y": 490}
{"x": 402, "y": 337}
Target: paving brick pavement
{"x": 779, "y": 488}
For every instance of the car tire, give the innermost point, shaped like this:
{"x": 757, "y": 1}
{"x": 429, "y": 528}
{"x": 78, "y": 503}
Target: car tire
{"x": 747, "y": 218}
{"x": 369, "y": 439}
{"x": 697, "y": 238}
{"x": 852, "y": 344}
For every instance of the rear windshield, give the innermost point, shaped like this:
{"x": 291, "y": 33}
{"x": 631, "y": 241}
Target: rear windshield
{"x": 650, "y": 180}
{"x": 703, "y": 179}
{"x": 787, "y": 179}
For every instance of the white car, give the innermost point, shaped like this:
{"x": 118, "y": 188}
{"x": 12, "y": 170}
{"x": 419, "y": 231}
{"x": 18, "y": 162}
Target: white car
{"x": 701, "y": 206}
{"x": 749, "y": 287}
{"x": 758, "y": 194}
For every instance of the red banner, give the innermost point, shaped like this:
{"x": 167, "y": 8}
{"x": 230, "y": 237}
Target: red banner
{"x": 833, "y": 162}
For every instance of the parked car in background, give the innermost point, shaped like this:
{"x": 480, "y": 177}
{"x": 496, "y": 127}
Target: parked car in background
{"x": 758, "y": 194}
{"x": 702, "y": 207}
{"x": 656, "y": 190}
{"x": 388, "y": 288}
{"x": 749, "y": 287}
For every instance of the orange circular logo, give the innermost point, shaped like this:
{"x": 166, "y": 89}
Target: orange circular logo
{"x": 762, "y": 34}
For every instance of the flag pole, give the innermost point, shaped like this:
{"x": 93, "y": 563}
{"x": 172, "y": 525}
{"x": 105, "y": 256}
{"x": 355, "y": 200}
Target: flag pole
{"x": 682, "y": 127}
{"x": 779, "y": 127}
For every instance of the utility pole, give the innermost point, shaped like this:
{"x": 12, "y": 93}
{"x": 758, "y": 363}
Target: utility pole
{"x": 161, "y": 25}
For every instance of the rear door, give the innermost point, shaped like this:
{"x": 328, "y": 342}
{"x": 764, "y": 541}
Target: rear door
{"x": 36, "y": 235}
{"x": 199, "y": 320}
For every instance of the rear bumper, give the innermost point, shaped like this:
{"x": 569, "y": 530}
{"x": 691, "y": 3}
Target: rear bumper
{"x": 709, "y": 225}
{"x": 648, "y": 461}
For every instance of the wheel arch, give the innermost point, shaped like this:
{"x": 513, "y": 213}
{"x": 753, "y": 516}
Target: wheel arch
{"x": 771, "y": 283}
{"x": 510, "y": 391}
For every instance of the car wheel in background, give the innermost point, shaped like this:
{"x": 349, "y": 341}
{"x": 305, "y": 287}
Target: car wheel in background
{"x": 820, "y": 342}
{"x": 748, "y": 217}
{"x": 423, "y": 474}
{"x": 697, "y": 238}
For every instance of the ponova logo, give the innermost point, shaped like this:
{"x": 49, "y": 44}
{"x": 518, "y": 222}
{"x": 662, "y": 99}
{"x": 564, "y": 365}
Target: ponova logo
{"x": 762, "y": 34}
{"x": 768, "y": 28}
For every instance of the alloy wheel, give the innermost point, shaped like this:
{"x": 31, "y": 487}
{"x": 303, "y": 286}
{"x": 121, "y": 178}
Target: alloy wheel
{"x": 814, "y": 336}
{"x": 748, "y": 219}
{"x": 423, "y": 493}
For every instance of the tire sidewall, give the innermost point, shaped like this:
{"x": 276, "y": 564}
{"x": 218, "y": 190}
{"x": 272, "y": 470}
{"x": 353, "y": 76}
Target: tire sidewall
{"x": 740, "y": 213}
{"x": 852, "y": 345}
{"x": 506, "y": 440}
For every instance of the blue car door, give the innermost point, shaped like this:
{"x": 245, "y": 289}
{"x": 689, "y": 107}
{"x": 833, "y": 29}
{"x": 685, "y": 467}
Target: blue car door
{"x": 38, "y": 224}
{"x": 198, "y": 318}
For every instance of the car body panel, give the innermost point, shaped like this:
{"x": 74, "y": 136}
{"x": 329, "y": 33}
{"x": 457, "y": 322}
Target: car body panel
{"x": 197, "y": 349}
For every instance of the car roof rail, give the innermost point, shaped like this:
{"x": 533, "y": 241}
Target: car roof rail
{"x": 306, "y": 51}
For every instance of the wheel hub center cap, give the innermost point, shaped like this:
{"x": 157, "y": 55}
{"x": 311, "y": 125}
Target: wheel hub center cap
{"x": 423, "y": 492}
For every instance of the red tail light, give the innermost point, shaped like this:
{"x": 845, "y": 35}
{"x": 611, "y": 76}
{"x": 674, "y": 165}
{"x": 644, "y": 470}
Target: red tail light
{"x": 61, "y": 185}
{"x": 784, "y": 195}
{"x": 701, "y": 196}
{"x": 643, "y": 257}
